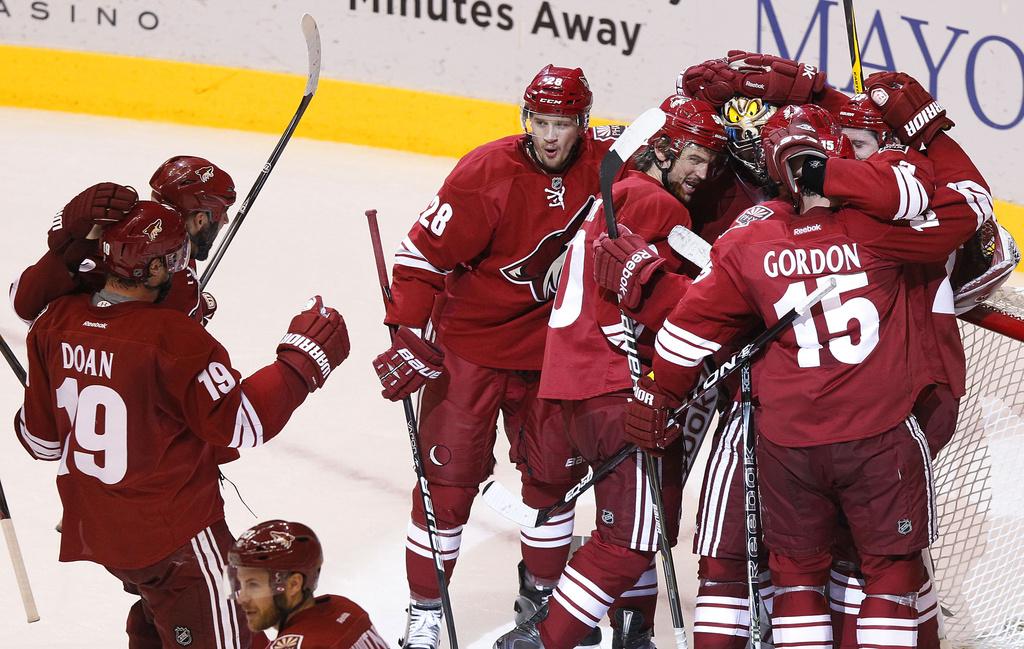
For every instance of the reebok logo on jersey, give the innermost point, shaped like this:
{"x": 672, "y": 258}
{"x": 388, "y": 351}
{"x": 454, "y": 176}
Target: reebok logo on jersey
{"x": 94, "y": 325}
{"x": 814, "y": 227}
{"x": 927, "y": 114}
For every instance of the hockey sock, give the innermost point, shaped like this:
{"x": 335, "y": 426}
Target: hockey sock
{"x": 642, "y": 596}
{"x": 546, "y": 548}
{"x": 451, "y": 508}
{"x": 800, "y": 618}
{"x": 846, "y": 591}
{"x": 721, "y": 619}
{"x": 597, "y": 575}
{"x": 888, "y": 622}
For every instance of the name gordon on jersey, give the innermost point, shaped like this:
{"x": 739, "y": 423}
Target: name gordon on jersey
{"x": 813, "y": 261}
{"x": 86, "y": 360}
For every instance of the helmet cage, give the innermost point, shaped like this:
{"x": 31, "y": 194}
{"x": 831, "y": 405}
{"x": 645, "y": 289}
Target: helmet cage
{"x": 743, "y": 118}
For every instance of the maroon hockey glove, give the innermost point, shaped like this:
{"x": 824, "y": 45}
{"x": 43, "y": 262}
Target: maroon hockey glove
{"x": 407, "y": 365}
{"x": 208, "y": 304}
{"x": 712, "y": 81}
{"x": 316, "y": 343}
{"x": 101, "y": 205}
{"x": 647, "y": 417}
{"x": 774, "y": 79}
{"x": 624, "y": 265}
{"x": 907, "y": 107}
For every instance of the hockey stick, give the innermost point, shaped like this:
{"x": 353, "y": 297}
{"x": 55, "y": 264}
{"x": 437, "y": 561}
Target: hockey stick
{"x": 312, "y": 34}
{"x": 417, "y": 458}
{"x": 12, "y": 360}
{"x": 752, "y": 505}
{"x": 499, "y": 498}
{"x": 690, "y": 246}
{"x": 644, "y": 127}
{"x": 851, "y": 36}
{"x": 20, "y": 574}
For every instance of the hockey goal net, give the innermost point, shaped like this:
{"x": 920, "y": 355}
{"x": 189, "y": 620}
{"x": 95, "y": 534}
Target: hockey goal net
{"x": 979, "y": 479}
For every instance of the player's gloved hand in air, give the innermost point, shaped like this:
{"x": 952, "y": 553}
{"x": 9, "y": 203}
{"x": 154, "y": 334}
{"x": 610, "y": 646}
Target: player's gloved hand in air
{"x": 647, "y": 417}
{"x": 624, "y": 265}
{"x": 316, "y": 343}
{"x": 99, "y": 205}
{"x": 712, "y": 81}
{"x": 773, "y": 78}
{"x": 209, "y": 306}
{"x": 407, "y": 364}
{"x": 907, "y": 107}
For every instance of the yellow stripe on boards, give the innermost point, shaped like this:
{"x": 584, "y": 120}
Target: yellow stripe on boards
{"x": 251, "y": 100}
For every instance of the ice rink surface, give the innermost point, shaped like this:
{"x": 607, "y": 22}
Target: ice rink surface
{"x": 342, "y": 465}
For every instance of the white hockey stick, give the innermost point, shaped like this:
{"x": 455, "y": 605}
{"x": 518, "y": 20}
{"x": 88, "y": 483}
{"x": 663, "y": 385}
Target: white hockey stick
{"x": 690, "y": 246}
{"x": 20, "y": 575}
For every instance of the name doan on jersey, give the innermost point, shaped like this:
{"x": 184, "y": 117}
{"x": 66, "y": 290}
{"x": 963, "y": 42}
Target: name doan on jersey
{"x": 85, "y": 360}
{"x": 813, "y": 261}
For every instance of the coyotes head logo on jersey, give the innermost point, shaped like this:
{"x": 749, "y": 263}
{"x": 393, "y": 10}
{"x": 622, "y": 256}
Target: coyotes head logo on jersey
{"x": 540, "y": 269}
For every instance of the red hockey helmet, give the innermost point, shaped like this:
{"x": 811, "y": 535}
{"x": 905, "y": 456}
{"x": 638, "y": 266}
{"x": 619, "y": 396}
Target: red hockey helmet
{"x": 150, "y": 230}
{"x": 559, "y": 91}
{"x": 860, "y": 112}
{"x": 282, "y": 548}
{"x": 798, "y": 131}
{"x": 192, "y": 184}
{"x": 690, "y": 121}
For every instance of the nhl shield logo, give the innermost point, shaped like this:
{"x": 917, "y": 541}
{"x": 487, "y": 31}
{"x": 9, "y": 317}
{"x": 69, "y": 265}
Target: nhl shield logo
{"x": 607, "y": 517}
{"x": 183, "y": 635}
{"x": 904, "y": 526}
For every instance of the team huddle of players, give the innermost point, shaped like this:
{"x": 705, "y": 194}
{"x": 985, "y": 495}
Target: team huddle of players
{"x": 506, "y": 299}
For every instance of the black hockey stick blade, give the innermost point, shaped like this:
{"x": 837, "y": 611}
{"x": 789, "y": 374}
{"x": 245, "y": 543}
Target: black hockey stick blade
{"x": 631, "y": 139}
{"x": 312, "y": 35}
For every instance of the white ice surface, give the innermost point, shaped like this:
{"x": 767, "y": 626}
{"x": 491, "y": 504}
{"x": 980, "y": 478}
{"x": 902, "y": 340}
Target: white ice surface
{"x": 343, "y": 463}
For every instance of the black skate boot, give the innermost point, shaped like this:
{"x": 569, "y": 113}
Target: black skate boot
{"x": 533, "y": 597}
{"x": 628, "y": 630}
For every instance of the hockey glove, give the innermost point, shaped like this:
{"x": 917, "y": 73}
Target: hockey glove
{"x": 907, "y": 107}
{"x": 208, "y": 306}
{"x": 316, "y": 343}
{"x": 711, "y": 81}
{"x": 624, "y": 265}
{"x": 407, "y": 365}
{"x": 101, "y": 205}
{"x": 774, "y": 79}
{"x": 647, "y": 417}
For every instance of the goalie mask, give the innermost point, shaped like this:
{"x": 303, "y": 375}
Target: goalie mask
{"x": 743, "y": 118}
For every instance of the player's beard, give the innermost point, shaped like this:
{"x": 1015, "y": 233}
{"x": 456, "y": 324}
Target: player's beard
{"x": 202, "y": 241}
{"x": 163, "y": 289}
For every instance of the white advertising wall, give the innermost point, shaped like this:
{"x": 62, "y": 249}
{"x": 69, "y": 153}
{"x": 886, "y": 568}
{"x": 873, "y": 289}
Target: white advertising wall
{"x": 971, "y": 56}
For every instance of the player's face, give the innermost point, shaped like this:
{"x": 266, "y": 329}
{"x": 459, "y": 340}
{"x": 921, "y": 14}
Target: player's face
{"x": 256, "y": 598}
{"x": 554, "y": 137}
{"x": 865, "y": 142}
{"x": 202, "y": 230}
{"x": 691, "y": 168}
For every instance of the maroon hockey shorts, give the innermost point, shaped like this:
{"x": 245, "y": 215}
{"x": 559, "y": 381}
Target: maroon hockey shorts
{"x": 883, "y": 485}
{"x": 184, "y": 597}
{"x": 937, "y": 410}
{"x": 625, "y": 513}
{"x": 458, "y": 426}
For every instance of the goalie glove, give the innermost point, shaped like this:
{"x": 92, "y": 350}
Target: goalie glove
{"x": 624, "y": 265}
{"x": 407, "y": 365}
{"x": 316, "y": 343}
{"x": 907, "y": 107}
{"x": 648, "y": 415}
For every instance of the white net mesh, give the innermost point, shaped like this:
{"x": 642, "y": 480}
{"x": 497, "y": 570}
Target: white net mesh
{"x": 979, "y": 557}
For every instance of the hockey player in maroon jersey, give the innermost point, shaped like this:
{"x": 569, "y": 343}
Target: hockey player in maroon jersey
{"x": 834, "y": 393}
{"x": 194, "y": 186}
{"x": 132, "y": 398}
{"x": 492, "y": 241}
{"x": 585, "y": 371}
{"x": 273, "y": 569}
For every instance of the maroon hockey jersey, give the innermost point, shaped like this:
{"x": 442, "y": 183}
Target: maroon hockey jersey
{"x": 584, "y": 356}
{"x": 132, "y": 399}
{"x": 493, "y": 239}
{"x": 333, "y": 622}
{"x": 849, "y": 371}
